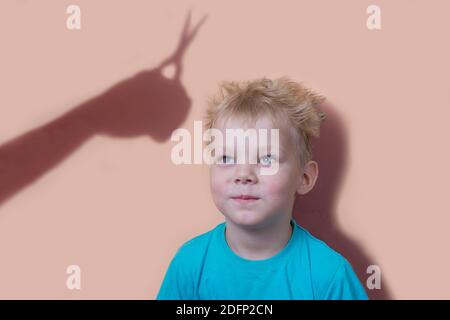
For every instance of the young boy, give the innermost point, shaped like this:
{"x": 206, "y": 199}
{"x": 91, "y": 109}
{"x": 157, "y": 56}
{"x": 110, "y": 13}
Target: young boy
{"x": 260, "y": 252}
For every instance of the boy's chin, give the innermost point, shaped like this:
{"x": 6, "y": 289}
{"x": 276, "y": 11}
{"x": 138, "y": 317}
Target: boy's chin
{"x": 247, "y": 219}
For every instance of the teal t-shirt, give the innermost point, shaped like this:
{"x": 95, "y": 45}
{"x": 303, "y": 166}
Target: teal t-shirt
{"x": 206, "y": 268}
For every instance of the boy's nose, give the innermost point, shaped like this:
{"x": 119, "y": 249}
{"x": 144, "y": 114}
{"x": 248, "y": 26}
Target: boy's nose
{"x": 245, "y": 174}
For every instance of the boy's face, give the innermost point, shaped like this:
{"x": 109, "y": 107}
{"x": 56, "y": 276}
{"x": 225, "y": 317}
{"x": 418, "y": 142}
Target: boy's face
{"x": 272, "y": 196}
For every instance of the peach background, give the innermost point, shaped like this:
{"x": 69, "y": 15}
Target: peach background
{"x": 115, "y": 205}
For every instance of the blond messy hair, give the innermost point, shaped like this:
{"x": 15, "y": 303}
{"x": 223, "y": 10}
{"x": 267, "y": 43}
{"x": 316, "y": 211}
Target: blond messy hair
{"x": 280, "y": 99}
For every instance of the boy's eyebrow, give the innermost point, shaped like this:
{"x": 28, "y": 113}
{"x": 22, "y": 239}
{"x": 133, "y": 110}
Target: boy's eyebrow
{"x": 281, "y": 147}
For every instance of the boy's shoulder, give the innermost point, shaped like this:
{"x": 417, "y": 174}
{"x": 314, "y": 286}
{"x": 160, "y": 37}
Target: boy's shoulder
{"x": 197, "y": 245}
{"x": 318, "y": 250}
{"x": 325, "y": 262}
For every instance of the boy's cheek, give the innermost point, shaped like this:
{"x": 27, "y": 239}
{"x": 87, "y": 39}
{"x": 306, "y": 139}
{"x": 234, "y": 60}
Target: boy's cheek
{"x": 278, "y": 187}
{"x": 214, "y": 179}
{"x": 275, "y": 194}
{"x": 218, "y": 178}
{"x": 217, "y": 189}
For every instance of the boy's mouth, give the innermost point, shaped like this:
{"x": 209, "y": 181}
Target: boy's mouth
{"x": 245, "y": 198}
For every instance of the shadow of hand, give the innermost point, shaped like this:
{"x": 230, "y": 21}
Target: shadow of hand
{"x": 145, "y": 104}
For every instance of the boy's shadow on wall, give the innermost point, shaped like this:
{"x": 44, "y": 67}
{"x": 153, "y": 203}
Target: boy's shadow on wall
{"x": 316, "y": 211}
{"x": 146, "y": 104}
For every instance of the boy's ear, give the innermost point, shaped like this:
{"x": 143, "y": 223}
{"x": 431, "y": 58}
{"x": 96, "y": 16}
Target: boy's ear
{"x": 309, "y": 175}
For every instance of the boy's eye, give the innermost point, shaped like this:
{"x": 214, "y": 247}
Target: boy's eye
{"x": 266, "y": 160}
{"x": 225, "y": 160}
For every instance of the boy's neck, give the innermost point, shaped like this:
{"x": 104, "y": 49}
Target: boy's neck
{"x": 260, "y": 243}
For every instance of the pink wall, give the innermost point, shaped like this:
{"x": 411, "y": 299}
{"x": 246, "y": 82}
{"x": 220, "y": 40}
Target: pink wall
{"x": 82, "y": 183}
